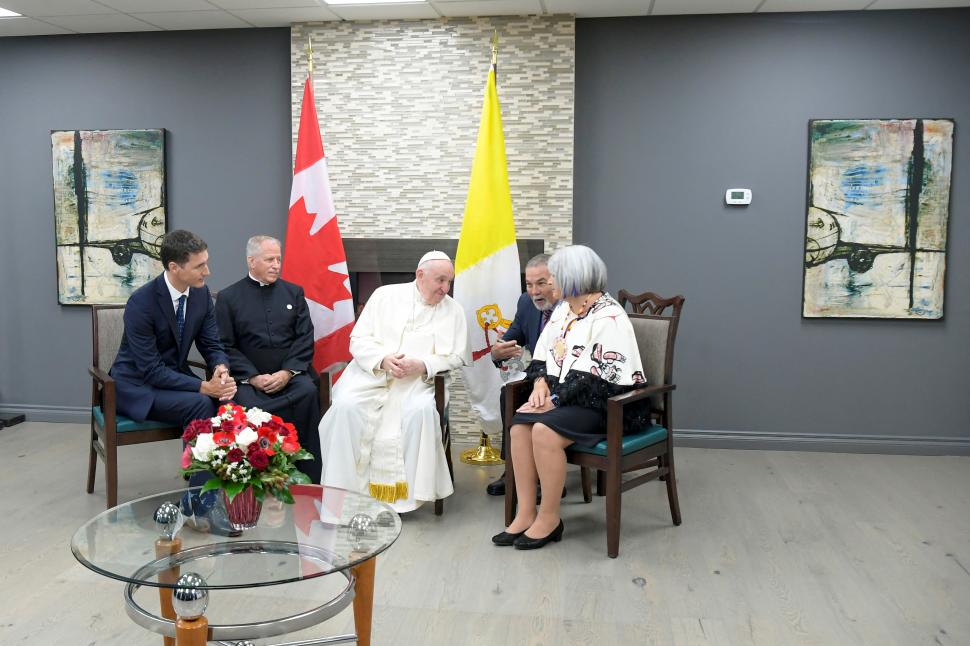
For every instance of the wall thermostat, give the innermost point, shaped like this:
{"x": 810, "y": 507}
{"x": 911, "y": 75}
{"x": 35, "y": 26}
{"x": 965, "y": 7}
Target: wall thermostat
{"x": 738, "y": 196}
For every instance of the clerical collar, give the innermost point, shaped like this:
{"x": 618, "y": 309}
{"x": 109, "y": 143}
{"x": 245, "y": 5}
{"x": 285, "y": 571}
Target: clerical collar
{"x": 259, "y": 282}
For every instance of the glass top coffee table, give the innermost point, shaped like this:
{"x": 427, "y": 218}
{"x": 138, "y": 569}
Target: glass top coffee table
{"x": 181, "y": 543}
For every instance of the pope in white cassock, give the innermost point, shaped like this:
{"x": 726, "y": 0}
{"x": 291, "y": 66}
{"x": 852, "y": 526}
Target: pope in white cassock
{"x": 381, "y": 435}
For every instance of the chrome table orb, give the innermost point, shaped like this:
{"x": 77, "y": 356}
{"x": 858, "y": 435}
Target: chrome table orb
{"x": 188, "y": 597}
{"x": 169, "y": 520}
{"x": 362, "y": 529}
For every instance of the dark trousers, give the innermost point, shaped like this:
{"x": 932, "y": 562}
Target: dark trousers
{"x": 181, "y": 407}
{"x": 298, "y": 403}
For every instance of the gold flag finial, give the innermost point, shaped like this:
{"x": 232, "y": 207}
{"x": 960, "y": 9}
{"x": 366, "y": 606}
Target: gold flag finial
{"x": 309, "y": 55}
{"x": 495, "y": 47}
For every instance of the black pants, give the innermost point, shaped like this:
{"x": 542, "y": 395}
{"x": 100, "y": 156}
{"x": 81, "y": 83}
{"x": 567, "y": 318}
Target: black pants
{"x": 298, "y": 403}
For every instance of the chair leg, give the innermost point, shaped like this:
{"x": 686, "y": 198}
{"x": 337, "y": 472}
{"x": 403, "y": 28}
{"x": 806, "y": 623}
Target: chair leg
{"x": 613, "y": 511}
{"x": 671, "y": 483}
{"x": 600, "y": 483}
{"x": 92, "y": 458}
{"x": 587, "y": 484}
{"x": 111, "y": 472}
{"x": 510, "y": 497}
{"x": 439, "y": 504}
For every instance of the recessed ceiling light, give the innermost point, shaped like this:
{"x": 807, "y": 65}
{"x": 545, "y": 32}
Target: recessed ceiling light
{"x": 346, "y": 2}
{"x": 6, "y": 13}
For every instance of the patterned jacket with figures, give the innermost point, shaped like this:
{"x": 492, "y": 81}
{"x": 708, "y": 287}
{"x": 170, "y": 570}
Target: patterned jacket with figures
{"x": 590, "y": 358}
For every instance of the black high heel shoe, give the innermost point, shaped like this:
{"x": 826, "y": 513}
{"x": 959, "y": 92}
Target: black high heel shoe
{"x": 504, "y": 539}
{"x": 524, "y": 542}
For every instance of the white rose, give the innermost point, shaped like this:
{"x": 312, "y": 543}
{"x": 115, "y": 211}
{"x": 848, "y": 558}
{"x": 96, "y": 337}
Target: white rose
{"x": 204, "y": 445}
{"x": 216, "y": 422}
{"x": 257, "y": 417}
{"x": 246, "y": 437}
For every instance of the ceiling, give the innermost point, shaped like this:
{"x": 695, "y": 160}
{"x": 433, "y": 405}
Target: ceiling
{"x": 43, "y": 17}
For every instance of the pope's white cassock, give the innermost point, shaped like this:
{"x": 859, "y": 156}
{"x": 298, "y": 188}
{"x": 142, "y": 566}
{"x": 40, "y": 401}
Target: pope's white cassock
{"x": 381, "y": 435}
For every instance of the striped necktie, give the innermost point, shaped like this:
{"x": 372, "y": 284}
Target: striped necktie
{"x": 180, "y": 318}
{"x": 545, "y": 319}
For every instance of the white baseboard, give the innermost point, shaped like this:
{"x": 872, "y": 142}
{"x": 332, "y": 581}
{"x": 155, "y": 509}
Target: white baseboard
{"x": 826, "y": 442}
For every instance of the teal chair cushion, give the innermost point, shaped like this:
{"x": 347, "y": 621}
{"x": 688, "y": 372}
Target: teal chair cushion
{"x": 631, "y": 441}
{"x": 126, "y": 425}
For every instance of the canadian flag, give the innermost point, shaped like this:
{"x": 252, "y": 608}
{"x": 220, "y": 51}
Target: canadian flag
{"x": 315, "y": 257}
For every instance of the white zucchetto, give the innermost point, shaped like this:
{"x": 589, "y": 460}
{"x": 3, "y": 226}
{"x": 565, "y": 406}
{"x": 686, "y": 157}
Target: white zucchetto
{"x": 433, "y": 255}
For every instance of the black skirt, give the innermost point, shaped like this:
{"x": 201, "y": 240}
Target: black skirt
{"x": 582, "y": 425}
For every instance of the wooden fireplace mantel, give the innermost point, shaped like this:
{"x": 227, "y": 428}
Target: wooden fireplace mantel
{"x": 401, "y": 255}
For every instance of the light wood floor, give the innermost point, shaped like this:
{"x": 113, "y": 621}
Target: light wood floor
{"x": 776, "y": 549}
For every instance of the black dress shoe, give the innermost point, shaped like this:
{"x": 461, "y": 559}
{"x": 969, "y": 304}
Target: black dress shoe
{"x": 496, "y": 488}
{"x": 505, "y": 539}
{"x": 524, "y": 542}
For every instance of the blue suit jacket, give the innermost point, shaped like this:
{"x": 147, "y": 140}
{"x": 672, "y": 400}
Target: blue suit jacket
{"x": 525, "y": 325}
{"x": 150, "y": 358}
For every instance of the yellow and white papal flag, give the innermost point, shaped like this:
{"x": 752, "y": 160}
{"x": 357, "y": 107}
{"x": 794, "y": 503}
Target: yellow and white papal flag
{"x": 487, "y": 272}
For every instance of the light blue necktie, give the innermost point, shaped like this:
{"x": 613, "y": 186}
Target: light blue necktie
{"x": 180, "y": 317}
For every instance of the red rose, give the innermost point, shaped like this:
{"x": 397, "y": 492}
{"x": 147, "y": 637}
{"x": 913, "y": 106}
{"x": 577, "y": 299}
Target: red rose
{"x": 195, "y": 427}
{"x": 291, "y": 444}
{"x": 258, "y": 459}
{"x": 234, "y": 455}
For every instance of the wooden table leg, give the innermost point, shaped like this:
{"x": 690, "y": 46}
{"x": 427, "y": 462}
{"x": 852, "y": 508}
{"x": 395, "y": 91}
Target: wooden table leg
{"x": 165, "y": 547}
{"x": 192, "y": 632}
{"x": 363, "y": 600}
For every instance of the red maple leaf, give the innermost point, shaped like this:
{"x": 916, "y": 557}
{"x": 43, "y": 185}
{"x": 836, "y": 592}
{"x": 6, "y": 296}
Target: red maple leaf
{"x": 309, "y": 257}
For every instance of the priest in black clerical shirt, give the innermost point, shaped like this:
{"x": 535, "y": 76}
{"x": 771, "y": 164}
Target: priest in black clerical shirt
{"x": 266, "y": 330}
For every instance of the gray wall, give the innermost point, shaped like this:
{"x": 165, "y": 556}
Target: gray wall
{"x": 224, "y": 98}
{"x": 670, "y": 112}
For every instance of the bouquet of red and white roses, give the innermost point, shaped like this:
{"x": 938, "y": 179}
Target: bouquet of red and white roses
{"x": 245, "y": 448}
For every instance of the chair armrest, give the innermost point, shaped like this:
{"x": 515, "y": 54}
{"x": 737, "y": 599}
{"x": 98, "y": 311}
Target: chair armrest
{"x": 641, "y": 393}
{"x": 326, "y": 391}
{"x": 103, "y": 391}
{"x": 101, "y": 376}
{"x": 516, "y": 394}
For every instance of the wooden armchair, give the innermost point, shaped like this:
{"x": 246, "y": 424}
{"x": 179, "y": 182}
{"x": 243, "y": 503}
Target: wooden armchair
{"x": 648, "y": 451}
{"x": 326, "y": 386}
{"x": 109, "y": 430}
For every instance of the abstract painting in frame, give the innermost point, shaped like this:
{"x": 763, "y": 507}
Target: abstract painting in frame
{"x": 109, "y": 212}
{"x": 878, "y": 204}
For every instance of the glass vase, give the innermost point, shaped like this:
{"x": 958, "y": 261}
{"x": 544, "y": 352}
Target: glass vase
{"x": 243, "y": 510}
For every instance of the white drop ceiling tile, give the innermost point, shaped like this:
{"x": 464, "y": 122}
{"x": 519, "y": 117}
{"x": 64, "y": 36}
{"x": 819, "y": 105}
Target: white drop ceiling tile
{"x": 420, "y": 10}
{"x": 284, "y": 17}
{"x": 152, "y": 6}
{"x": 180, "y": 20}
{"x": 44, "y": 8}
{"x": 232, "y": 5}
{"x": 678, "y": 7}
{"x": 28, "y": 27}
{"x": 914, "y": 4}
{"x": 598, "y": 8}
{"x": 114, "y": 22}
{"x": 462, "y": 8}
{"x": 813, "y": 5}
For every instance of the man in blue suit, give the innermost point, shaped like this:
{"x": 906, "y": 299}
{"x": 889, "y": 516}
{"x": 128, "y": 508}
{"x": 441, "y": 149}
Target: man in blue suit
{"x": 531, "y": 315}
{"x": 162, "y": 320}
